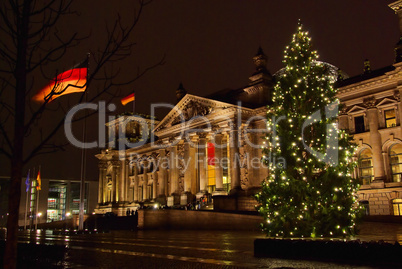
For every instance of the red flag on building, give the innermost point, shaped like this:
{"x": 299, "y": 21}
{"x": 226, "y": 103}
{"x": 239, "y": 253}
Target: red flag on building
{"x": 128, "y": 99}
{"x": 211, "y": 154}
{"x": 70, "y": 81}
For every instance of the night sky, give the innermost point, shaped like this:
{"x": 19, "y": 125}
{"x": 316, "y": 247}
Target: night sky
{"x": 208, "y": 46}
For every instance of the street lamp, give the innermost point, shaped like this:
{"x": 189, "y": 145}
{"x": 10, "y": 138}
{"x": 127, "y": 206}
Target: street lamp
{"x": 37, "y": 220}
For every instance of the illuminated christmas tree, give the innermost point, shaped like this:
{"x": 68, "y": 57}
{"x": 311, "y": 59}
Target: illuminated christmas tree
{"x": 309, "y": 191}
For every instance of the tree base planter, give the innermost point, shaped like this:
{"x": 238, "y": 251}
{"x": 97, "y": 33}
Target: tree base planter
{"x": 338, "y": 251}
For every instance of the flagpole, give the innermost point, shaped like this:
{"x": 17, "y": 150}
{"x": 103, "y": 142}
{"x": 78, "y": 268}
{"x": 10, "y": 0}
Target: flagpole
{"x": 33, "y": 209}
{"x": 83, "y": 163}
{"x": 26, "y": 202}
{"x": 37, "y": 204}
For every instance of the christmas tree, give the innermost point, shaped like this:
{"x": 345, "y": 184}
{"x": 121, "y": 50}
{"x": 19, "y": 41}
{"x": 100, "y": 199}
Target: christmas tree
{"x": 309, "y": 191}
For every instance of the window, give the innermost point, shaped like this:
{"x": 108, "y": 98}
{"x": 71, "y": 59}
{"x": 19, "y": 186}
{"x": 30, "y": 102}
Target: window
{"x": 395, "y": 160}
{"x": 390, "y": 118}
{"x": 397, "y": 206}
{"x": 366, "y": 167}
{"x": 140, "y": 194}
{"x": 365, "y": 205}
{"x": 150, "y": 191}
{"x": 359, "y": 124}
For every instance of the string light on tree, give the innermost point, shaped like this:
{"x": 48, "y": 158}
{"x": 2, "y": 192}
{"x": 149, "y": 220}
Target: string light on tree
{"x": 307, "y": 197}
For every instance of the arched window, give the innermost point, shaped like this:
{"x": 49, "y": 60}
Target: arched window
{"x": 366, "y": 167}
{"x": 395, "y": 160}
{"x": 397, "y": 206}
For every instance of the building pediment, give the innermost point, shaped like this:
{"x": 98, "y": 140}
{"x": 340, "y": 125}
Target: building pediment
{"x": 387, "y": 102}
{"x": 357, "y": 109}
{"x": 192, "y": 108}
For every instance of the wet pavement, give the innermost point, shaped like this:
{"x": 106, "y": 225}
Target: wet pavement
{"x": 184, "y": 249}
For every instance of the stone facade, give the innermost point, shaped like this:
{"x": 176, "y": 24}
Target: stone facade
{"x": 372, "y": 113}
{"x": 176, "y": 164}
{"x": 204, "y": 147}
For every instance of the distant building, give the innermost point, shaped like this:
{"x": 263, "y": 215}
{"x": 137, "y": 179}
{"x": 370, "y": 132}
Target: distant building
{"x": 58, "y": 199}
{"x": 210, "y": 147}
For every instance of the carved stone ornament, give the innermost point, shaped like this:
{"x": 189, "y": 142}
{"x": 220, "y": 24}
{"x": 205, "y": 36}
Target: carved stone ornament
{"x": 116, "y": 163}
{"x": 181, "y": 183}
{"x": 397, "y": 95}
{"x": 244, "y": 177}
{"x": 180, "y": 150}
{"x": 102, "y": 165}
{"x": 159, "y": 142}
{"x": 216, "y": 129}
{"x": 193, "y": 109}
{"x": 369, "y": 102}
{"x": 172, "y": 139}
{"x": 343, "y": 111}
{"x": 202, "y": 135}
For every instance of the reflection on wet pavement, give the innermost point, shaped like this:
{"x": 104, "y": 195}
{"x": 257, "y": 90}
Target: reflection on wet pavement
{"x": 185, "y": 249}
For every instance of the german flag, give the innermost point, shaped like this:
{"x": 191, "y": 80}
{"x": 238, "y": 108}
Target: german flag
{"x": 70, "y": 81}
{"x": 128, "y": 99}
{"x": 38, "y": 182}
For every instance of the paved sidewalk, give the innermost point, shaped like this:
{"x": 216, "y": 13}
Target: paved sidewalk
{"x": 187, "y": 249}
{"x": 376, "y": 231}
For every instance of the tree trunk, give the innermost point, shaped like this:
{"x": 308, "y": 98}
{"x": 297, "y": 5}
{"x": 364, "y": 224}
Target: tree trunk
{"x": 20, "y": 75}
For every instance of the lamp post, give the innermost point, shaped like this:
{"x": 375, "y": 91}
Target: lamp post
{"x": 37, "y": 220}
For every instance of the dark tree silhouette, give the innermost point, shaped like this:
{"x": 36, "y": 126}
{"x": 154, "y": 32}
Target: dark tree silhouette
{"x": 31, "y": 42}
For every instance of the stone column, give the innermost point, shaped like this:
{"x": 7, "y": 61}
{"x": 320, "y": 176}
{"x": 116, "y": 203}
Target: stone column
{"x": 343, "y": 122}
{"x": 234, "y": 157}
{"x": 397, "y": 96}
{"x": 253, "y": 159}
{"x": 162, "y": 173}
{"x": 127, "y": 189}
{"x": 376, "y": 144}
{"x": 130, "y": 182}
{"x": 189, "y": 162}
{"x": 102, "y": 173}
{"x": 202, "y": 163}
{"x": 193, "y": 167}
{"x": 174, "y": 175}
{"x": 219, "y": 190}
{"x": 145, "y": 184}
{"x": 115, "y": 176}
{"x": 154, "y": 185}
{"x": 122, "y": 182}
{"x": 135, "y": 187}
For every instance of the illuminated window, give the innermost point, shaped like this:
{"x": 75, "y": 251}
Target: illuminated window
{"x": 211, "y": 167}
{"x": 395, "y": 160}
{"x": 390, "y": 118}
{"x": 225, "y": 165}
{"x": 366, "y": 167}
{"x": 359, "y": 124}
{"x": 397, "y": 206}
